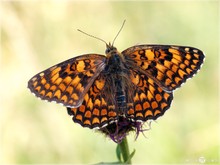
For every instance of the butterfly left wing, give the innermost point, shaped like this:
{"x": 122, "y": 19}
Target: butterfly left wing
{"x": 68, "y": 81}
{"x": 169, "y": 66}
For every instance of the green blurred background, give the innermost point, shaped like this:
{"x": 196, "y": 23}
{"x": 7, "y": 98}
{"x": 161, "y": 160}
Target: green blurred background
{"x": 38, "y": 34}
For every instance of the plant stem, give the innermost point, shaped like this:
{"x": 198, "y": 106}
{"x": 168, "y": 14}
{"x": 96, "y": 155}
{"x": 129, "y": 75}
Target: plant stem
{"x": 125, "y": 151}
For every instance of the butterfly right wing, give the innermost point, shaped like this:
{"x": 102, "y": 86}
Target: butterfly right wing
{"x": 68, "y": 81}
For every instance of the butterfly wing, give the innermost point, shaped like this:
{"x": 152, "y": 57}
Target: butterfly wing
{"x": 169, "y": 66}
{"x": 149, "y": 100}
{"x": 68, "y": 81}
{"x": 98, "y": 108}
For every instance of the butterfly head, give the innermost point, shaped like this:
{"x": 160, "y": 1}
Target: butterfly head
{"x": 112, "y": 52}
{"x": 110, "y": 49}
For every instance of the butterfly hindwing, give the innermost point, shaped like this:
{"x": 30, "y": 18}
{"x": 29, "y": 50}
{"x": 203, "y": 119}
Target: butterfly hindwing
{"x": 68, "y": 81}
{"x": 149, "y": 100}
{"x": 97, "y": 108}
{"x": 169, "y": 66}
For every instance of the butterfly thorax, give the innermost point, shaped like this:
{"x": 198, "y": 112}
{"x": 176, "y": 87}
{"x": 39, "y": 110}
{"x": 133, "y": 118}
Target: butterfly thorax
{"x": 115, "y": 60}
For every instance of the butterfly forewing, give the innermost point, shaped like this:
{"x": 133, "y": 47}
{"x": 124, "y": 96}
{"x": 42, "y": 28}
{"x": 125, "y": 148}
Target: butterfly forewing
{"x": 169, "y": 66}
{"x": 68, "y": 82}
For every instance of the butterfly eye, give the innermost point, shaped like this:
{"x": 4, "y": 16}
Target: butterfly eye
{"x": 107, "y": 50}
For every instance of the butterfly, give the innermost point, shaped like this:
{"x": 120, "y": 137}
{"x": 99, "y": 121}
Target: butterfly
{"x": 136, "y": 84}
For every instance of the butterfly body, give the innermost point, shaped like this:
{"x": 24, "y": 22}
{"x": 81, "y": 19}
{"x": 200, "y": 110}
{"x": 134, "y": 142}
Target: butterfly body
{"x": 136, "y": 84}
{"x": 117, "y": 76}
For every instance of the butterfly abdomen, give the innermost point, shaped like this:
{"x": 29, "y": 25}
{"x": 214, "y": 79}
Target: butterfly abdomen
{"x": 116, "y": 72}
{"x": 120, "y": 96}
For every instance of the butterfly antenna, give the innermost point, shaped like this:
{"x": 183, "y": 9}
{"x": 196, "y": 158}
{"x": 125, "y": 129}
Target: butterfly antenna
{"x": 118, "y": 32}
{"x": 92, "y": 36}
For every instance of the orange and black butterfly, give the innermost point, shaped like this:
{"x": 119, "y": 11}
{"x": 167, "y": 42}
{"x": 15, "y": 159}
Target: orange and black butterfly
{"x": 136, "y": 84}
